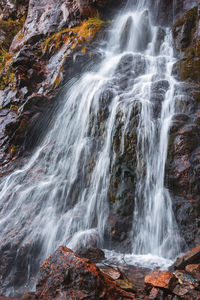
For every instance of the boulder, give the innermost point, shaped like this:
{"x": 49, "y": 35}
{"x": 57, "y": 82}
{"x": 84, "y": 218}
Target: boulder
{"x": 65, "y": 275}
{"x": 160, "y": 279}
{"x": 95, "y": 255}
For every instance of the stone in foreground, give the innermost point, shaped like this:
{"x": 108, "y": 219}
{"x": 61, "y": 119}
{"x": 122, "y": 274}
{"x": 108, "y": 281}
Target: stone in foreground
{"x": 65, "y": 275}
{"x": 160, "y": 279}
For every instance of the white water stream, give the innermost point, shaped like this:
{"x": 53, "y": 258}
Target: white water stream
{"x": 61, "y": 195}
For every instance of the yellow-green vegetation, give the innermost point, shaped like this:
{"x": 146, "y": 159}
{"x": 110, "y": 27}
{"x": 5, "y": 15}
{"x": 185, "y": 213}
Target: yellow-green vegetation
{"x": 57, "y": 81}
{"x": 13, "y": 148}
{"x": 10, "y": 28}
{"x": 20, "y": 36}
{"x": 73, "y": 36}
{"x": 14, "y": 107}
{"x": 6, "y": 71}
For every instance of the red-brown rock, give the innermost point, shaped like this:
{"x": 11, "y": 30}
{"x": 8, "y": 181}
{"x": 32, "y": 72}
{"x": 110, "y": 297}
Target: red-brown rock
{"x": 64, "y": 275}
{"x": 191, "y": 257}
{"x": 160, "y": 279}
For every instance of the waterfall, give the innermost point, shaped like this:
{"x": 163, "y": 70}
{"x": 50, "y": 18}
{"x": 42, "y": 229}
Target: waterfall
{"x": 153, "y": 222}
{"x": 61, "y": 195}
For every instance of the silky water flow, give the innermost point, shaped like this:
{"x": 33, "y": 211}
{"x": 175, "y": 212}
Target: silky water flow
{"x": 60, "y": 197}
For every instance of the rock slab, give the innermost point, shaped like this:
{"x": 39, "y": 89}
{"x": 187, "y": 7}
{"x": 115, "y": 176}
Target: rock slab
{"x": 160, "y": 279}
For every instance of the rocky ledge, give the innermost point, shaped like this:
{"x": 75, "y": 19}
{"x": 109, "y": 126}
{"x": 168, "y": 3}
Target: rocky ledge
{"x": 66, "y": 275}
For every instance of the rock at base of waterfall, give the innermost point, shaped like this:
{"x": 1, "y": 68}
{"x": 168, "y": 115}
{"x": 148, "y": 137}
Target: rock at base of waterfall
{"x": 187, "y": 287}
{"x": 113, "y": 272}
{"x": 95, "y": 255}
{"x": 160, "y": 279}
{"x": 65, "y": 275}
{"x": 191, "y": 257}
{"x": 194, "y": 270}
{"x": 156, "y": 294}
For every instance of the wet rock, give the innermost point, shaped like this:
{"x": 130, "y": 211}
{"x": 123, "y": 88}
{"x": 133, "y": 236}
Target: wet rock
{"x": 144, "y": 33}
{"x": 186, "y": 279}
{"x": 65, "y": 275}
{"x": 43, "y": 17}
{"x": 194, "y": 270}
{"x": 191, "y": 257}
{"x": 13, "y": 9}
{"x": 186, "y": 293}
{"x": 95, "y": 255}
{"x": 156, "y": 294}
{"x": 160, "y": 36}
{"x": 126, "y": 34}
{"x": 182, "y": 29}
{"x": 113, "y": 272}
{"x": 167, "y": 9}
{"x": 160, "y": 86}
{"x": 86, "y": 8}
{"x": 158, "y": 91}
{"x": 160, "y": 279}
{"x": 126, "y": 285}
{"x": 132, "y": 64}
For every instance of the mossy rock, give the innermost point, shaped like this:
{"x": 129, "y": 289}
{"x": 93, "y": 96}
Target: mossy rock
{"x": 183, "y": 30}
{"x": 188, "y": 67}
{"x": 10, "y": 28}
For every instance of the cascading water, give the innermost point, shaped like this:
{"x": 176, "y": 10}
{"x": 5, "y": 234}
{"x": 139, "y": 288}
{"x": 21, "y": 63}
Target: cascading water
{"x": 154, "y": 228}
{"x": 61, "y": 195}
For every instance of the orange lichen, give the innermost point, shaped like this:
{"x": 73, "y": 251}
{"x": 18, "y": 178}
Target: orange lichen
{"x": 73, "y": 36}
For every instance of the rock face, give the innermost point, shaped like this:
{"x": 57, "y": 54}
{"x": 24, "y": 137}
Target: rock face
{"x": 32, "y": 70}
{"x": 65, "y": 275}
{"x": 183, "y": 165}
{"x": 169, "y": 11}
{"x": 14, "y": 9}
